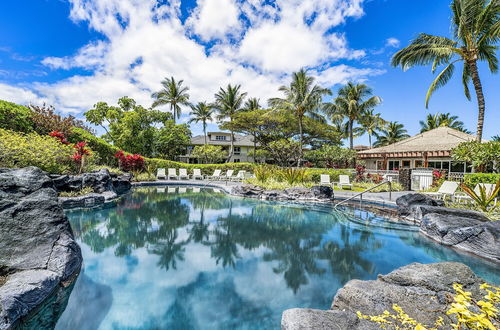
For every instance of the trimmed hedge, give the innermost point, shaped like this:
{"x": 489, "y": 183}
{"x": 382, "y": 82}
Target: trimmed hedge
{"x": 103, "y": 149}
{"x": 15, "y": 117}
{"x": 473, "y": 179}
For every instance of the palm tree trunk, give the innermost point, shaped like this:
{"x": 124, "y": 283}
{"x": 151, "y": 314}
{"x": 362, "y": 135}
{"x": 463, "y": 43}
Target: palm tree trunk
{"x": 480, "y": 98}
{"x": 205, "y": 131}
{"x": 370, "y": 140}
{"x": 254, "y": 148}
{"x": 351, "y": 135}
{"x": 300, "y": 141}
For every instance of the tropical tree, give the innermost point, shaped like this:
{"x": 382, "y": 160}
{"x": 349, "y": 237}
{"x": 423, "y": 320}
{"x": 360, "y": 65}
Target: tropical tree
{"x": 252, "y": 104}
{"x": 393, "y": 133}
{"x": 352, "y": 102}
{"x": 495, "y": 138}
{"x": 302, "y": 97}
{"x": 441, "y": 120}
{"x": 476, "y": 30}
{"x": 202, "y": 112}
{"x": 173, "y": 94}
{"x": 228, "y": 102}
{"x": 371, "y": 123}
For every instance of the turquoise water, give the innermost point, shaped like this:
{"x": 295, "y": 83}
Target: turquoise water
{"x": 181, "y": 258}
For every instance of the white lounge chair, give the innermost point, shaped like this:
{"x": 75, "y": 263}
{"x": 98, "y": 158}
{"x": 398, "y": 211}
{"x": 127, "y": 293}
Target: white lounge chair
{"x": 171, "y": 190}
{"x": 172, "y": 173}
{"x": 160, "y": 190}
{"x": 324, "y": 179}
{"x": 196, "y": 189}
{"x": 183, "y": 174}
{"x": 447, "y": 189}
{"x": 344, "y": 182}
{"x": 196, "y": 174}
{"x": 215, "y": 176}
{"x": 464, "y": 198}
{"x": 239, "y": 177}
{"x": 182, "y": 190}
{"x": 160, "y": 174}
{"x": 228, "y": 176}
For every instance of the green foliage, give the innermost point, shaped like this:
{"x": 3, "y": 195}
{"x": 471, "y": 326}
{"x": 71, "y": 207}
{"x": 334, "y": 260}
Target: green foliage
{"x": 472, "y": 179}
{"x": 293, "y": 175}
{"x": 393, "y": 133}
{"x": 395, "y": 186}
{"x": 483, "y": 200}
{"x": 81, "y": 192}
{"x": 263, "y": 172}
{"x": 480, "y": 155}
{"x": 31, "y": 149}
{"x": 46, "y": 120}
{"x": 314, "y": 173}
{"x": 441, "y": 120}
{"x": 144, "y": 176}
{"x": 285, "y": 152}
{"x": 209, "y": 154}
{"x": 15, "y": 117}
{"x": 172, "y": 140}
{"x": 172, "y": 94}
{"x": 278, "y": 184}
{"x": 331, "y": 155}
{"x": 103, "y": 149}
{"x": 206, "y": 169}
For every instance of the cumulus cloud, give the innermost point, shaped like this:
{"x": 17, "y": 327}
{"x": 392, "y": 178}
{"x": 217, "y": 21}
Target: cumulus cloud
{"x": 255, "y": 43}
{"x": 392, "y": 42}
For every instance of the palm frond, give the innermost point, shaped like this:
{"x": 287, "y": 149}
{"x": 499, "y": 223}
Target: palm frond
{"x": 442, "y": 78}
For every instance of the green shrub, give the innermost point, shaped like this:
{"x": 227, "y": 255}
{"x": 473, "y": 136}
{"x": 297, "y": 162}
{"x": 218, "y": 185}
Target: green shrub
{"x": 471, "y": 180}
{"x": 207, "y": 169}
{"x": 15, "y": 117}
{"x": 81, "y": 192}
{"x": 314, "y": 173}
{"x": 395, "y": 186}
{"x": 264, "y": 172}
{"x": 103, "y": 149}
{"x": 31, "y": 149}
{"x": 293, "y": 175}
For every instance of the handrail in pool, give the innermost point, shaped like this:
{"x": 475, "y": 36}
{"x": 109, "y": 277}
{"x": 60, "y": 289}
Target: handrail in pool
{"x": 367, "y": 190}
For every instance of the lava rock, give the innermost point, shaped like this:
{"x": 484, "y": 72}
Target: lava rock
{"x": 121, "y": 183}
{"x": 406, "y": 202}
{"x": 37, "y": 247}
{"x": 299, "y": 193}
{"x": 424, "y": 291}
{"x": 464, "y": 233}
{"x": 322, "y": 192}
{"x": 247, "y": 190}
{"x": 89, "y": 200}
{"x": 418, "y": 212}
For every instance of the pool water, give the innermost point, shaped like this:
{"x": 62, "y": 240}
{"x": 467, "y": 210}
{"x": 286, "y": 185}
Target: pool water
{"x": 191, "y": 258}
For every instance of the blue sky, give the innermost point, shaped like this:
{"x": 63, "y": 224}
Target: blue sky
{"x": 74, "y": 53}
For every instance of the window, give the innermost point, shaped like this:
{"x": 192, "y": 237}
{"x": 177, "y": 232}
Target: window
{"x": 237, "y": 160}
{"x": 393, "y": 165}
{"x": 237, "y": 150}
{"x": 419, "y": 163}
{"x": 406, "y": 163}
{"x": 220, "y": 137}
{"x": 457, "y": 167}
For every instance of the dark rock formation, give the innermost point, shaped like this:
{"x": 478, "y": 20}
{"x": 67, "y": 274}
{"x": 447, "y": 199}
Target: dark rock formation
{"x": 295, "y": 193}
{"x": 38, "y": 254}
{"x": 418, "y": 212}
{"x": 423, "y": 291}
{"x": 107, "y": 186}
{"x": 406, "y": 202}
{"x": 465, "y": 233}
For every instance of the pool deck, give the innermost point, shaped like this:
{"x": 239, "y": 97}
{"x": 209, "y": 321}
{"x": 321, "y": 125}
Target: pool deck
{"x": 377, "y": 197}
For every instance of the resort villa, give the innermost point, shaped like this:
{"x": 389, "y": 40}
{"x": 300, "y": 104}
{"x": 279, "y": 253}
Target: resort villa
{"x": 430, "y": 149}
{"x": 243, "y": 146}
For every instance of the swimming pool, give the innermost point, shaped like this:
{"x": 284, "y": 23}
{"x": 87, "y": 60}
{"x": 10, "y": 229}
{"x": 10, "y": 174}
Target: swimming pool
{"x": 194, "y": 258}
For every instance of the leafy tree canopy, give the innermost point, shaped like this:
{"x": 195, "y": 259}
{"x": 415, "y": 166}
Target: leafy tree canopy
{"x": 15, "y": 117}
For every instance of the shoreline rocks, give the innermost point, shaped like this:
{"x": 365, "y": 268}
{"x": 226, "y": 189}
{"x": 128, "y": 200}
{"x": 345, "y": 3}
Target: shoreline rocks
{"x": 38, "y": 254}
{"x": 424, "y": 291}
{"x": 315, "y": 193}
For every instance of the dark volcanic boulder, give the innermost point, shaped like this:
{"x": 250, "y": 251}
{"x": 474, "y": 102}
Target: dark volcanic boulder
{"x": 121, "y": 183}
{"x": 468, "y": 234}
{"x": 100, "y": 180}
{"x": 37, "y": 250}
{"x": 423, "y": 291}
{"x": 406, "y": 202}
{"x": 89, "y": 200}
{"x": 299, "y": 193}
{"x": 322, "y": 192}
{"x": 418, "y": 212}
{"x": 247, "y": 190}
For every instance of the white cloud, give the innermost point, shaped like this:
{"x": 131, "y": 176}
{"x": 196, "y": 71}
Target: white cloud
{"x": 19, "y": 95}
{"x": 257, "y": 44}
{"x": 392, "y": 42}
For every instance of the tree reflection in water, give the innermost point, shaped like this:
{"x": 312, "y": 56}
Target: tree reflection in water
{"x": 295, "y": 240}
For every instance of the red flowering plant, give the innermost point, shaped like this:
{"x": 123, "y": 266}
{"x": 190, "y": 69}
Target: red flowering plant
{"x": 130, "y": 163}
{"x": 438, "y": 177}
{"x": 80, "y": 154}
{"x": 360, "y": 173}
{"x": 60, "y": 136}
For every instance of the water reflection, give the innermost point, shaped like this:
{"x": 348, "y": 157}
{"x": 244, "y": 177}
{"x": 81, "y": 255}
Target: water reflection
{"x": 204, "y": 260}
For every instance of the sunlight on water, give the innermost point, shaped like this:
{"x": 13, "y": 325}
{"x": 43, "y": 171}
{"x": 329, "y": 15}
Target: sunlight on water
{"x": 185, "y": 258}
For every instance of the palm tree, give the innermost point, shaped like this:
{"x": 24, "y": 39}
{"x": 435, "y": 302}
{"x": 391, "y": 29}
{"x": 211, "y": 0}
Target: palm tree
{"x": 172, "y": 93}
{"x": 202, "y": 112}
{"x": 228, "y": 102}
{"x": 393, "y": 133}
{"x": 251, "y": 104}
{"x": 301, "y": 97}
{"x": 371, "y": 123}
{"x": 476, "y": 29}
{"x": 495, "y": 138}
{"x": 441, "y": 120}
{"x": 352, "y": 104}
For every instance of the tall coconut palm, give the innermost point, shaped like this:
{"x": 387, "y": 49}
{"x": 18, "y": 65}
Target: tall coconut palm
{"x": 393, "y": 133}
{"x": 476, "y": 30}
{"x": 495, "y": 138}
{"x": 228, "y": 102}
{"x": 173, "y": 94}
{"x": 352, "y": 102}
{"x": 441, "y": 120}
{"x": 202, "y": 112}
{"x": 371, "y": 123}
{"x": 302, "y": 97}
{"x": 252, "y": 104}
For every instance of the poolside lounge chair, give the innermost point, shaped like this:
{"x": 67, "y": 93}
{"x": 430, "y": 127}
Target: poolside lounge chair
{"x": 172, "y": 173}
{"x": 196, "y": 174}
{"x": 160, "y": 190}
{"x": 171, "y": 190}
{"x": 227, "y": 176}
{"x": 183, "y": 174}
{"x": 344, "y": 182}
{"x": 196, "y": 189}
{"x": 324, "y": 179}
{"x": 447, "y": 189}
{"x": 462, "y": 197}
{"x": 182, "y": 190}
{"x": 160, "y": 174}
{"x": 215, "y": 176}
{"x": 239, "y": 177}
